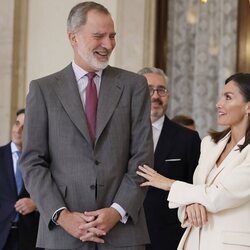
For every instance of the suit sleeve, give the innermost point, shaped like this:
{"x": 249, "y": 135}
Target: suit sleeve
{"x": 130, "y": 195}
{"x": 35, "y": 160}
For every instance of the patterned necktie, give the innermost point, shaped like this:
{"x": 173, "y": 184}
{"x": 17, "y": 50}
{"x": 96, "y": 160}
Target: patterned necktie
{"x": 18, "y": 175}
{"x": 91, "y": 106}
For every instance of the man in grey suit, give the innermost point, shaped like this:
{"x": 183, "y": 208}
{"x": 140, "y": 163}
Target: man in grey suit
{"x": 80, "y": 166}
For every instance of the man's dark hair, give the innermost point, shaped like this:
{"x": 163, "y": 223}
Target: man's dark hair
{"x": 20, "y": 111}
{"x": 183, "y": 120}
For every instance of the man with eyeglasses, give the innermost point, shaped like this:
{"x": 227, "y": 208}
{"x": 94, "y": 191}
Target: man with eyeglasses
{"x": 176, "y": 154}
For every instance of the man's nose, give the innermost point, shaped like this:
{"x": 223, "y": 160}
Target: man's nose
{"x": 108, "y": 43}
{"x": 20, "y": 129}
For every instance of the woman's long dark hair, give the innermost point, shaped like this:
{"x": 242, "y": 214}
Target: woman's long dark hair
{"x": 243, "y": 82}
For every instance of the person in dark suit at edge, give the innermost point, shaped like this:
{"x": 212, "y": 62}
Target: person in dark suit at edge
{"x": 177, "y": 150}
{"x": 18, "y": 215}
{"x": 87, "y": 128}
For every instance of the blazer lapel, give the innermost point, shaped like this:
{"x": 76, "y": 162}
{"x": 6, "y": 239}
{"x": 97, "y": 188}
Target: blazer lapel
{"x": 231, "y": 157}
{"x": 211, "y": 157}
{"x": 109, "y": 96}
{"x": 8, "y": 168}
{"x": 68, "y": 94}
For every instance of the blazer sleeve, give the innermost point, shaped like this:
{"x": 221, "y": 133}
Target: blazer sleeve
{"x": 35, "y": 160}
{"x": 231, "y": 191}
{"x": 130, "y": 195}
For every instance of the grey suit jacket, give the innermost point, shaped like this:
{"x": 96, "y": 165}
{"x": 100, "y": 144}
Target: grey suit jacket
{"x": 60, "y": 167}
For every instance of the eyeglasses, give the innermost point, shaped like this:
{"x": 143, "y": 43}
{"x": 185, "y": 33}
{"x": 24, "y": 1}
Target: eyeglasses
{"x": 160, "y": 91}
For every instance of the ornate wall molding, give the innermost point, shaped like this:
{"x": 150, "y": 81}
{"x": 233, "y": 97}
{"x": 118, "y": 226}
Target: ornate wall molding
{"x": 202, "y": 42}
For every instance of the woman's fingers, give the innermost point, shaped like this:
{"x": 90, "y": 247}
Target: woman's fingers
{"x": 197, "y": 214}
{"x": 147, "y": 170}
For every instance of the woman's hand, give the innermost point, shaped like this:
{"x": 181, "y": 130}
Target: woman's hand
{"x": 154, "y": 179}
{"x": 197, "y": 214}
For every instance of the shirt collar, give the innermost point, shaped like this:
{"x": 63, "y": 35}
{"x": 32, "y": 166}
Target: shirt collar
{"x": 14, "y": 148}
{"x": 159, "y": 123}
{"x": 80, "y": 72}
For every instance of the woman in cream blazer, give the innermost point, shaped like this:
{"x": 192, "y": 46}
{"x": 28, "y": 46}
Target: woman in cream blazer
{"x": 215, "y": 209}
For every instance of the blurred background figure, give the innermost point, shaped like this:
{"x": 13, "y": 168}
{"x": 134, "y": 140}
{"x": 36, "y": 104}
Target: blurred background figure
{"x": 177, "y": 150}
{"x": 19, "y": 218}
{"x": 185, "y": 121}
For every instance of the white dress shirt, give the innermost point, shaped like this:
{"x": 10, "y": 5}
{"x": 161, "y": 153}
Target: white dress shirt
{"x": 156, "y": 128}
{"x": 82, "y": 81}
{"x": 14, "y": 151}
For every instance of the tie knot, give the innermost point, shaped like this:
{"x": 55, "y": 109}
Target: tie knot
{"x": 91, "y": 75}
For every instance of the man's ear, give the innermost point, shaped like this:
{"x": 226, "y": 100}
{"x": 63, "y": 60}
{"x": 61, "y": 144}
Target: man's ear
{"x": 72, "y": 38}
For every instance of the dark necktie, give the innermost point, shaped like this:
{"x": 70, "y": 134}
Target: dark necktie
{"x": 91, "y": 106}
{"x": 18, "y": 175}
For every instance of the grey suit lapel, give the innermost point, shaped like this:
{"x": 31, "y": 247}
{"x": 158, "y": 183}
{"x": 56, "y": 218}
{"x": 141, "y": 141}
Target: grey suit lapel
{"x": 68, "y": 94}
{"x": 109, "y": 95}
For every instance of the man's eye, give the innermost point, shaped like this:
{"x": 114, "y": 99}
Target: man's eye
{"x": 98, "y": 36}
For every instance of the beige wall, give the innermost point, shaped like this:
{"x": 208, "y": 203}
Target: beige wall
{"x": 46, "y": 49}
{"x": 6, "y": 53}
{"x": 49, "y": 49}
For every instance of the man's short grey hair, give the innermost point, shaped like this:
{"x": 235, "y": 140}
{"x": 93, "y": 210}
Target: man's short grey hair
{"x": 148, "y": 70}
{"x": 78, "y": 14}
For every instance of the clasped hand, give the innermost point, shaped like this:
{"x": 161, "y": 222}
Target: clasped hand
{"x": 196, "y": 214}
{"x": 89, "y": 226}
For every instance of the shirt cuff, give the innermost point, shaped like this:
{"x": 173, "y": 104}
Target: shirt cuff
{"x": 121, "y": 211}
{"x": 55, "y": 215}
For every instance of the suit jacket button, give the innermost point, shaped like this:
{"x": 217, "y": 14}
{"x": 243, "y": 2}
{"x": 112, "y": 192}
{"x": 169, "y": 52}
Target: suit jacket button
{"x": 92, "y": 186}
{"x": 97, "y": 162}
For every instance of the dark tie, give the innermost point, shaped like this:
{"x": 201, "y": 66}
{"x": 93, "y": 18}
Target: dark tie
{"x": 91, "y": 106}
{"x": 18, "y": 175}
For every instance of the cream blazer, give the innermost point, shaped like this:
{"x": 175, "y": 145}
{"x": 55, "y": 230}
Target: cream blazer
{"x": 226, "y": 197}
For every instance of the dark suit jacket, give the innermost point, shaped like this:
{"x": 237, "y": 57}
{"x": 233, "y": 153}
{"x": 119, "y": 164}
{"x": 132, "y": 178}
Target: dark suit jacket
{"x": 60, "y": 166}
{"x": 182, "y": 145}
{"x": 8, "y": 196}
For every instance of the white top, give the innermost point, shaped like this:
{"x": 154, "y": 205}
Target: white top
{"x": 156, "y": 128}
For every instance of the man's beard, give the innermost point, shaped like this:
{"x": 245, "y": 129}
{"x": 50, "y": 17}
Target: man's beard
{"x": 94, "y": 63}
{"x": 89, "y": 58}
